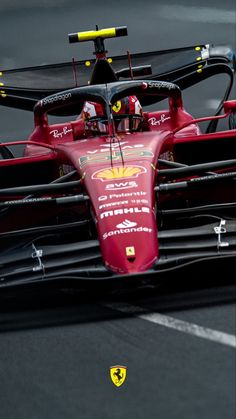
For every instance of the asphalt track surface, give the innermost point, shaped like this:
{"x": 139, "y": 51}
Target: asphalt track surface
{"x": 177, "y": 343}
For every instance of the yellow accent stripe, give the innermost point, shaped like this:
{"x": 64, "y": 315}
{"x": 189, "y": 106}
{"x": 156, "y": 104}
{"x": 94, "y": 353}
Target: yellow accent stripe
{"x": 90, "y": 35}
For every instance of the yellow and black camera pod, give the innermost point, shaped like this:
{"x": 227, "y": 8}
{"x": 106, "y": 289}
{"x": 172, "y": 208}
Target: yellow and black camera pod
{"x": 98, "y": 36}
{"x": 101, "y": 33}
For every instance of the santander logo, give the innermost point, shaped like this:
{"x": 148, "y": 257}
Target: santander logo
{"x": 126, "y": 224}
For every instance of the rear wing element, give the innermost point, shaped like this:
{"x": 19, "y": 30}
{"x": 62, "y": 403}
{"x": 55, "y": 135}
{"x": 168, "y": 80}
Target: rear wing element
{"x": 22, "y": 88}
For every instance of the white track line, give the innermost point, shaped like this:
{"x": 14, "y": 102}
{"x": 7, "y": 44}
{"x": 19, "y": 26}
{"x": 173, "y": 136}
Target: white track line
{"x": 173, "y": 323}
{"x": 197, "y": 14}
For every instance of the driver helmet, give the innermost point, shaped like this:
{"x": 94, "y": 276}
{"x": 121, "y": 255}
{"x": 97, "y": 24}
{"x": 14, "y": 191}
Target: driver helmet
{"x": 127, "y": 115}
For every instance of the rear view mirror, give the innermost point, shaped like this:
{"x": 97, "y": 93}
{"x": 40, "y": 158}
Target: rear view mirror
{"x": 230, "y": 106}
{"x": 5, "y": 153}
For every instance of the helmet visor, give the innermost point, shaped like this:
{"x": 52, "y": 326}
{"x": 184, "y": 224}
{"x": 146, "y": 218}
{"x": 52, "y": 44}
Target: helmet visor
{"x": 123, "y": 123}
{"x": 127, "y": 122}
{"x": 97, "y": 125}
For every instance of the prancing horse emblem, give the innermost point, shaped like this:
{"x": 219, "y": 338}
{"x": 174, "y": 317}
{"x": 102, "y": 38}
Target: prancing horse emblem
{"x": 118, "y": 374}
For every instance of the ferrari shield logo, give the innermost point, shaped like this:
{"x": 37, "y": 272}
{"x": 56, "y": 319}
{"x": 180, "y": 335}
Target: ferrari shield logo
{"x": 118, "y": 375}
{"x": 117, "y": 106}
{"x": 130, "y": 251}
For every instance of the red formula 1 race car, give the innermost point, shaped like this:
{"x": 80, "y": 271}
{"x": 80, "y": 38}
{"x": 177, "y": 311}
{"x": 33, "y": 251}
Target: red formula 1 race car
{"x": 117, "y": 193}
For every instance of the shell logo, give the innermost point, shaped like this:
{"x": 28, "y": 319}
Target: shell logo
{"x": 121, "y": 172}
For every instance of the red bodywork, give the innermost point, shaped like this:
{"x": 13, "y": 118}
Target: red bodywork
{"x": 120, "y": 174}
{"x": 119, "y": 177}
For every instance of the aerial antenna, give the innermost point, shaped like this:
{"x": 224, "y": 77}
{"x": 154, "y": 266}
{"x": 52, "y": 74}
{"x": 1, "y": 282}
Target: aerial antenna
{"x": 74, "y": 72}
{"x": 130, "y": 65}
{"x": 113, "y": 139}
{"x": 112, "y": 130}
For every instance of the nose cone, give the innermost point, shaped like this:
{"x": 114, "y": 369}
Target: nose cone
{"x": 126, "y": 223}
{"x": 129, "y": 240}
{"x": 119, "y": 177}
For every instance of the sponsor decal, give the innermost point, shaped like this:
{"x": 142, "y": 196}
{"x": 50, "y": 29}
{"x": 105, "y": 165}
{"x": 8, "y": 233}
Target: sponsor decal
{"x": 118, "y": 374}
{"x": 121, "y": 211}
{"x": 113, "y": 204}
{"x": 126, "y": 230}
{"x": 59, "y": 134}
{"x": 121, "y": 185}
{"x": 161, "y": 85}
{"x": 102, "y": 198}
{"x": 114, "y": 146}
{"x": 130, "y": 251}
{"x": 126, "y": 224}
{"x": 139, "y": 201}
{"x": 121, "y": 195}
{"x": 121, "y": 145}
{"x": 119, "y": 173}
{"x": 120, "y": 203}
{"x": 154, "y": 121}
{"x": 115, "y": 156}
{"x": 56, "y": 98}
